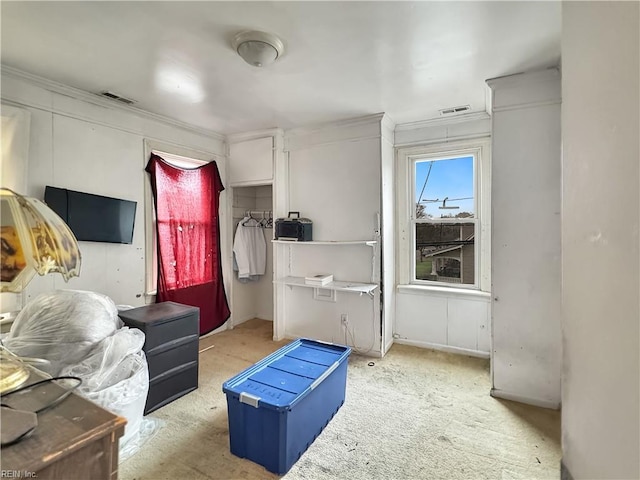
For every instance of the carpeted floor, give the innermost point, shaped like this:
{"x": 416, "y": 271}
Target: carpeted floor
{"x": 415, "y": 414}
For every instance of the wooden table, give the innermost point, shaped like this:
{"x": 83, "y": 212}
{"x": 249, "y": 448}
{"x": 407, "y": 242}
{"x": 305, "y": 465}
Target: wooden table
{"x": 76, "y": 439}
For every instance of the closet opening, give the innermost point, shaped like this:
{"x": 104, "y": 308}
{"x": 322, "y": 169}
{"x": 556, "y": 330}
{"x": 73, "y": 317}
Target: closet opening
{"x": 252, "y": 254}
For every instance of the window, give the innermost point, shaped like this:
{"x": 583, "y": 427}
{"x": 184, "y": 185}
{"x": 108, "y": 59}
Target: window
{"x": 442, "y": 215}
{"x": 444, "y": 220}
{"x": 179, "y": 157}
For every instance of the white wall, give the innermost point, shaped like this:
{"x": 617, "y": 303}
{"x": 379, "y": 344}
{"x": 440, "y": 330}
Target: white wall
{"x": 443, "y": 318}
{"x": 526, "y": 342}
{"x": 251, "y": 159}
{"x": 334, "y": 178}
{"x": 82, "y": 142}
{"x": 264, "y": 296}
{"x": 15, "y": 147}
{"x": 388, "y": 229}
{"x": 600, "y": 244}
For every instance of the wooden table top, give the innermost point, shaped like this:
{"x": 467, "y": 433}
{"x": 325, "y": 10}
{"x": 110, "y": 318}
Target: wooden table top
{"x": 62, "y": 429}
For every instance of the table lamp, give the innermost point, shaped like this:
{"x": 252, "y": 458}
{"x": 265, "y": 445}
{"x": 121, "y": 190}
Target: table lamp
{"x": 34, "y": 240}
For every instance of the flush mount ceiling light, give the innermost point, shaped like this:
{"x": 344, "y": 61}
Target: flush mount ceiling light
{"x": 258, "y": 48}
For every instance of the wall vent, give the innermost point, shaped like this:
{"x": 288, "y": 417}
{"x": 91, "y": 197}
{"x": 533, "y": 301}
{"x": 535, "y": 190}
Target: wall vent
{"x": 118, "y": 98}
{"x": 454, "y": 110}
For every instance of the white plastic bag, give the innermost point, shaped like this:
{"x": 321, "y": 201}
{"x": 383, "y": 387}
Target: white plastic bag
{"x": 115, "y": 375}
{"x": 62, "y": 327}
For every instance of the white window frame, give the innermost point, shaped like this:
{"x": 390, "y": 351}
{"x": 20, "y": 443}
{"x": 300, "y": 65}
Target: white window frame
{"x": 407, "y": 158}
{"x": 16, "y": 123}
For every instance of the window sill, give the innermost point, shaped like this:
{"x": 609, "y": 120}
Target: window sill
{"x": 150, "y": 297}
{"x": 444, "y": 291}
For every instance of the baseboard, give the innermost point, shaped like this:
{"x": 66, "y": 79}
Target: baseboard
{"x": 235, "y": 321}
{"x": 442, "y": 348}
{"x": 536, "y": 402}
{"x": 373, "y": 353}
{"x": 225, "y": 326}
{"x": 565, "y": 474}
{"x": 387, "y": 347}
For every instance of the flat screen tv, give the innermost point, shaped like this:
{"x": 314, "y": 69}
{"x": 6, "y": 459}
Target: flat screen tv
{"x": 93, "y": 218}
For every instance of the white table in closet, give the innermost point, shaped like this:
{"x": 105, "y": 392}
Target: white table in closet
{"x": 338, "y": 285}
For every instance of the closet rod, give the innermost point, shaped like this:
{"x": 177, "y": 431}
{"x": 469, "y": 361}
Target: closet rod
{"x": 258, "y": 212}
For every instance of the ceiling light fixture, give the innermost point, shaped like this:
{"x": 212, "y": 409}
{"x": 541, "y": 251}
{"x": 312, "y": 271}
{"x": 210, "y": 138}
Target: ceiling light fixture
{"x": 258, "y": 48}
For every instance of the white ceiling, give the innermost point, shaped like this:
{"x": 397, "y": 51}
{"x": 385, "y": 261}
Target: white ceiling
{"x": 342, "y": 59}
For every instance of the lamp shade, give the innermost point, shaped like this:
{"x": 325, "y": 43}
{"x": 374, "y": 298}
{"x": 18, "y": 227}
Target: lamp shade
{"x": 34, "y": 240}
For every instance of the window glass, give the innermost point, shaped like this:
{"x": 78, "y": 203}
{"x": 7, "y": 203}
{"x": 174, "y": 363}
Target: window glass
{"x": 445, "y": 252}
{"x": 445, "y": 220}
{"x": 444, "y": 188}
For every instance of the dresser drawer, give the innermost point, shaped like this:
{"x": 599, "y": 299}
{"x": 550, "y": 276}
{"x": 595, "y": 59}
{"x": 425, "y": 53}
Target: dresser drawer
{"x": 163, "y": 322}
{"x": 170, "y": 386}
{"x": 160, "y": 334}
{"x": 178, "y": 353}
{"x": 172, "y": 337}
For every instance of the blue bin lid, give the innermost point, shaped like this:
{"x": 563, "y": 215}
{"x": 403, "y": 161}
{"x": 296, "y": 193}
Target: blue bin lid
{"x": 287, "y": 375}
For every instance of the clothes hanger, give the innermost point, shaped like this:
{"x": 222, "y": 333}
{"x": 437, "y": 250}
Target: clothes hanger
{"x": 263, "y": 220}
{"x": 250, "y": 217}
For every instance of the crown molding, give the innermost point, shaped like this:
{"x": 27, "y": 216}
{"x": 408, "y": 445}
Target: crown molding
{"x": 339, "y": 131}
{"x": 95, "y": 99}
{"x": 526, "y": 90}
{"x": 387, "y": 128}
{"x": 436, "y": 122}
{"x": 322, "y": 127}
{"x": 387, "y": 122}
{"x": 244, "y": 136}
{"x": 518, "y": 79}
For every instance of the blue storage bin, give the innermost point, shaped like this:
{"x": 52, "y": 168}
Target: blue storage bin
{"x": 279, "y": 406}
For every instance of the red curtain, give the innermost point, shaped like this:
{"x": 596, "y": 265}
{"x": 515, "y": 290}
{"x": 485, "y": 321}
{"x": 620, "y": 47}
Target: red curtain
{"x": 188, "y": 233}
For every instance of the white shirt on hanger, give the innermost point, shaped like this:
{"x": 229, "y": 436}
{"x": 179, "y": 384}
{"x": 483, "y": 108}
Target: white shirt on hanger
{"x": 250, "y": 249}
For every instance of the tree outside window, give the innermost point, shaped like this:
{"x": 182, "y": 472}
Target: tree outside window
{"x": 445, "y": 220}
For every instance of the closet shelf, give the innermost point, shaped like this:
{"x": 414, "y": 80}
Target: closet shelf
{"x": 371, "y": 243}
{"x": 342, "y": 286}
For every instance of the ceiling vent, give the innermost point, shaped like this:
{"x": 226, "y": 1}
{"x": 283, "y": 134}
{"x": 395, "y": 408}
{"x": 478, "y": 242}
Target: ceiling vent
{"x": 445, "y": 112}
{"x": 118, "y": 98}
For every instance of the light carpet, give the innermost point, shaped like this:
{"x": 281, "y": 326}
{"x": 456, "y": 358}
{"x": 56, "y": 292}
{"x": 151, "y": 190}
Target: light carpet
{"x": 414, "y": 414}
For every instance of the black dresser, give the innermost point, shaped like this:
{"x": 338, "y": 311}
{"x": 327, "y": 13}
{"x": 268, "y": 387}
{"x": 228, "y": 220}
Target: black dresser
{"x": 172, "y": 332}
